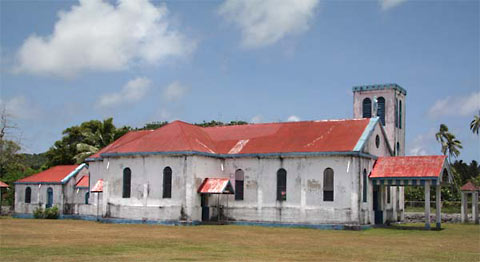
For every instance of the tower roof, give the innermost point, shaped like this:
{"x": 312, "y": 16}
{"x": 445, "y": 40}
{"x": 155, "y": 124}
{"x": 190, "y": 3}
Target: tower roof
{"x": 380, "y": 87}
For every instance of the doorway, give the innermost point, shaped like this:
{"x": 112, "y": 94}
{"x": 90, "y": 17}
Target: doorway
{"x": 377, "y": 210}
{"x": 205, "y": 208}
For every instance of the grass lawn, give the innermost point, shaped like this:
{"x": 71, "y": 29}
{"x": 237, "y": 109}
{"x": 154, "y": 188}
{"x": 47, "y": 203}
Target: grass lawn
{"x": 73, "y": 240}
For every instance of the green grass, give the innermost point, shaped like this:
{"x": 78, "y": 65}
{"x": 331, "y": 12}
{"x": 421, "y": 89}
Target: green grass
{"x": 72, "y": 240}
{"x": 447, "y": 210}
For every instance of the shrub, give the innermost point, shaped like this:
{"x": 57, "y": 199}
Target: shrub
{"x": 38, "y": 213}
{"x": 51, "y": 213}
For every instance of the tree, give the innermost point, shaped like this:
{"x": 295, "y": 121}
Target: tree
{"x": 79, "y": 142}
{"x": 475, "y": 124}
{"x": 450, "y": 144}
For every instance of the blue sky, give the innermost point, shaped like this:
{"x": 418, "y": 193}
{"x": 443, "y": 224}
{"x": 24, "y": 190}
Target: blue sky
{"x": 258, "y": 61}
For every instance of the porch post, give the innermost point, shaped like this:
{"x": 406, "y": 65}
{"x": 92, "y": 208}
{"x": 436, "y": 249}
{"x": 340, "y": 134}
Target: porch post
{"x": 438, "y": 202}
{"x": 427, "y": 204}
{"x": 475, "y": 206}
{"x": 464, "y": 207}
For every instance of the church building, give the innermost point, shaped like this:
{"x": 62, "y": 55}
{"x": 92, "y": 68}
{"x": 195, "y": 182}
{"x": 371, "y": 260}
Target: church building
{"x": 313, "y": 173}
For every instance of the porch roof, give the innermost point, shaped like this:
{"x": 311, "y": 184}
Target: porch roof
{"x": 98, "y": 188}
{"x": 410, "y": 170}
{"x": 216, "y": 186}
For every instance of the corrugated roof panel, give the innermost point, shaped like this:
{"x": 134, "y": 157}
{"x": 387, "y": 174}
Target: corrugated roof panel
{"x": 123, "y": 140}
{"x": 52, "y": 175}
{"x": 305, "y": 136}
{"x": 408, "y": 167}
{"x": 98, "y": 188}
{"x": 216, "y": 186}
{"x": 3, "y": 185}
{"x": 469, "y": 186}
{"x": 83, "y": 182}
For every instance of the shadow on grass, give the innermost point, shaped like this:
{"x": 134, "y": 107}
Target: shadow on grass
{"x": 409, "y": 227}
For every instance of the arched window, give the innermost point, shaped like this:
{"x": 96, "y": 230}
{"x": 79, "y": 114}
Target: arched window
{"x": 445, "y": 179}
{"x": 167, "y": 182}
{"x": 328, "y": 184}
{"x": 281, "y": 184}
{"x": 28, "y": 195}
{"x": 389, "y": 194}
{"x": 127, "y": 182}
{"x": 377, "y": 141}
{"x": 49, "y": 197}
{"x": 396, "y": 112}
{"x": 381, "y": 109}
{"x": 400, "y": 114}
{"x": 364, "y": 185}
{"x": 367, "y": 108}
{"x": 239, "y": 177}
{"x": 87, "y": 195}
{"x": 398, "y": 148}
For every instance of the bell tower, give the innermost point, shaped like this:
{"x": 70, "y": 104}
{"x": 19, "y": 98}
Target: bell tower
{"x": 386, "y": 101}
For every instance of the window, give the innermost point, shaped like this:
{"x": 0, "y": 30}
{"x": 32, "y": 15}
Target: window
{"x": 239, "y": 177}
{"x": 87, "y": 195}
{"x": 281, "y": 184}
{"x": 398, "y": 148}
{"x": 127, "y": 179}
{"x": 367, "y": 108}
{"x": 381, "y": 109}
{"x": 28, "y": 195}
{"x": 364, "y": 185}
{"x": 396, "y": 112}
{"x": 167, "y": 182}
{"x": 49, "y": 197}
{"x": 389, "y": 194}
{"x": 400, "y": 114}
{"x": 328, "y": 184}
{"x": 377, "y": 141}
{"x": 445, "y": 179}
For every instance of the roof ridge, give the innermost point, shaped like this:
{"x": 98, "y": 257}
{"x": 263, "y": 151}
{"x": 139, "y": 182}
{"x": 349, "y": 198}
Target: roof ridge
{"x": 287, "y": 122}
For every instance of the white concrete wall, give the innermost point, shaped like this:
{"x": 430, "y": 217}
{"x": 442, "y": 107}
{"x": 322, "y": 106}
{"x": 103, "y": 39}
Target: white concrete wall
{"x": 38, "y": 197}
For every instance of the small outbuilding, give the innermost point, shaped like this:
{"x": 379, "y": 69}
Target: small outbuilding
{"x": 64, "y": 186}
{"x": 470, "y": 188}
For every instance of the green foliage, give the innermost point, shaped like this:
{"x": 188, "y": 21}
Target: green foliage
{"x": 38, "y": 213}
{"x": 51, "y": 213}
{"x": 450, "y": 144}
{"x": 475, "y": 124}
{"x": 48, "y": 213}
{"x": 79, "y": 142}
{"x": 153, "y": 125}
{"x": 219, "y": 123}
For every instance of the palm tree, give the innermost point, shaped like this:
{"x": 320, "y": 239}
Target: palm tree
{"x": 475, "y": 124}
{"x": 450, "y": 144}
{"x": 103, "y": 135}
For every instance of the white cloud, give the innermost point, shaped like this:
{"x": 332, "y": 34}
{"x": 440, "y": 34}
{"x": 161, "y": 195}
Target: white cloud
{"x": 264, "y": 22}
{"x": 423, "y": 144}
{"x": 131, "y": 92}
{"x": 293, "y": 118}
{"x": 174, "y": 91}
{"x": 257, "y": 119}
{"x": 456, "y": 106}
{"x": 97, "y": 35}
{"x": 18, "y": 107}
{"x": 388, "y": 4}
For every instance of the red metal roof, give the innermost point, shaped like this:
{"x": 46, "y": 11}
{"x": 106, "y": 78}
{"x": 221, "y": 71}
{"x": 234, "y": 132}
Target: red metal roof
{"x": 305, "y": 136}
{"x": 469, "y": 186}
{"x": 408, "y": 166}
{"x": 52, "y": 175}
{"x": 125, "y": 139}
{"x": 83, "y": 182}
{"x": 98, "y": 186}
{"x": 3, "y": 185}
{"x": 216, "y": 186}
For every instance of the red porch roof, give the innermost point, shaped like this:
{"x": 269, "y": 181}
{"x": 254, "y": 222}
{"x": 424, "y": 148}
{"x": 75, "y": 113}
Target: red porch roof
{"x": 98, "y": 188}
{"x": 3, "y": 185}
{"x": 52, "y": 175}
{"x": 469, "y": 186}
{"x": 408, "y": 167}
{"x": 83, "y": 182}
{"x": 216, "y": 186}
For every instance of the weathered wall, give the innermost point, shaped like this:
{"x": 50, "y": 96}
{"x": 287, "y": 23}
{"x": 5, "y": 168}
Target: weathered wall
{"x": 38, "y": 197}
